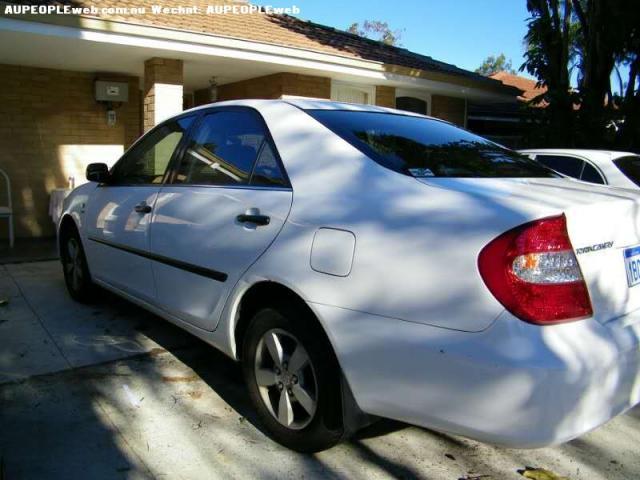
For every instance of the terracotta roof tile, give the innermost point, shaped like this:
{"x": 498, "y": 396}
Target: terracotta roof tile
{"x": 529, "y": 88}
{"x": 275, "y": 29}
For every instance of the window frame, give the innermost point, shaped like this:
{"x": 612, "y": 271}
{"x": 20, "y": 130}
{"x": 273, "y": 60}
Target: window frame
{"x": 572, "y": 155}
{"x": 167, "y": 169}
{"x": 175, "y": 162}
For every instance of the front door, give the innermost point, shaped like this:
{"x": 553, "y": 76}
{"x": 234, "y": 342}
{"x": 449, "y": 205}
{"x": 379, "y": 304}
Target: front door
{"x": 119, "y": 213}
{"x": 225, "y": 203}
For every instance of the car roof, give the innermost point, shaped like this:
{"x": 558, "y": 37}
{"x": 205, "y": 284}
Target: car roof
{"x": 310, "y": 104}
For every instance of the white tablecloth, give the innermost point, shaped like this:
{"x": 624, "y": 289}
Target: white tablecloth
{"x": 55, "y": 203}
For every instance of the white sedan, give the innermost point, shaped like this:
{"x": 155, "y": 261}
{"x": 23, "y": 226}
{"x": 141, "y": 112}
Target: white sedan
{"x": 605, "y": 167}
{"x": 363, "y": 262}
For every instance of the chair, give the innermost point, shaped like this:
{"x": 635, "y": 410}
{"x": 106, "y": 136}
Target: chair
{"x": 5, "y": 210}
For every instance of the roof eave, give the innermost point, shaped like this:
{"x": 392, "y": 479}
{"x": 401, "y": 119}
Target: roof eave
{"x": 193, "y": 37}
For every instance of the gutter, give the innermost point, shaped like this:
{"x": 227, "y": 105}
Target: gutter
{"x": 166, "y": 38}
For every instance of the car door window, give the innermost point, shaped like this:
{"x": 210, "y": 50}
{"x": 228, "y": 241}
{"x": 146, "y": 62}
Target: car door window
{"x": 147, "y": 161}
{"x": 223, "y": 151}
{"x": 570, "y": 166}
{"x": 267, "y": 171}
{"x": 591, "y": 174}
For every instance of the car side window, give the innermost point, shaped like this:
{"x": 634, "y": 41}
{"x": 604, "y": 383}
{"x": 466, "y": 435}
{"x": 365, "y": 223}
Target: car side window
{"x": 591, "y": 174}
{"x": 224, "y": 149}
{"x": 267, "y": 171}
{"x": 570, "y": 166}
{"x": 147, "y": 161}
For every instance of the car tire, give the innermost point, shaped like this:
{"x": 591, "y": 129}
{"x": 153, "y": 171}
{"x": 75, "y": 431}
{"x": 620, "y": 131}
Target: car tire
{"x": 75, "y": 268}
{"x": 293, "y": 379}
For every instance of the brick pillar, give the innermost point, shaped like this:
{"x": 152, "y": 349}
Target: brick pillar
{"x": 162, "y": 90}
{"x": 386, "y": 96}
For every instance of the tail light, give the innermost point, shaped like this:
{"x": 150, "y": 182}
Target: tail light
{"x": 533, "y": 272}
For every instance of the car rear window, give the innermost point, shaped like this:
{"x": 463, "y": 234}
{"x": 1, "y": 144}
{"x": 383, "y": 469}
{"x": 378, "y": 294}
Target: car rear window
{"x": 630, "y": 166}
{"x": 424, "y": 147}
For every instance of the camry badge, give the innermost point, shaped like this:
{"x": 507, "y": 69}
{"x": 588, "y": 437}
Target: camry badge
{"x": 594, "y": 248}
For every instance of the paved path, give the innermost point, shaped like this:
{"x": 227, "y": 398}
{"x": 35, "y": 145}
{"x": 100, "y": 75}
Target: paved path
{"x": 110, "y": 391}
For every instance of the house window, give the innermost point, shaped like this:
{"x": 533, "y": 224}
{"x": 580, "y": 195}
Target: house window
{"x": 413, "y": 100}
{"x": 353, "y": 93}
{"x": 411, "y": 104}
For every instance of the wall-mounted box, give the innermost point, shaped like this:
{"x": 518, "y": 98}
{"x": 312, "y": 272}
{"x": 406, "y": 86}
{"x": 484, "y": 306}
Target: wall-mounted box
{"x": 107, "y": 91}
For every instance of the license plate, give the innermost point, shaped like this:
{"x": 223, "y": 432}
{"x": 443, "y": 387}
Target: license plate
{"x": 632, "y": 265}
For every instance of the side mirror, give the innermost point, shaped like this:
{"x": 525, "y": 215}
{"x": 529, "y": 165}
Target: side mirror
{"x": 98, "y": 172}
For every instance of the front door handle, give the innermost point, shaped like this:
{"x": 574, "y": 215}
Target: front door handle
{"x": 256, "y": 219}
{"x": 143, "y": 208}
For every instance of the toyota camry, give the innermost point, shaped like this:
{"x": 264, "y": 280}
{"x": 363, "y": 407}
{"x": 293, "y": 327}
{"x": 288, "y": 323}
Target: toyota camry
{"x": 362, "y": 262}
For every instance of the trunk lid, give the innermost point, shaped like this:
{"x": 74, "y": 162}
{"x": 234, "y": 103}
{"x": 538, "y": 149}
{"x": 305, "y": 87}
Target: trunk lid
{"x": 603, "y": 224}
{"x": 601, "y": 233}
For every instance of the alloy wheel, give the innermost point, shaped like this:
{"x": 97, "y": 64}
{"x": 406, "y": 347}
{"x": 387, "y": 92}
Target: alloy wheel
{"x": 286, "y": 379}
{"x": 74, "y": 266}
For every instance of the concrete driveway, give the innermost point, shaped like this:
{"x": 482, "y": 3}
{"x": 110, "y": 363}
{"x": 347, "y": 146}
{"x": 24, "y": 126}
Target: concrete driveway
{"x": 110, "y": 391}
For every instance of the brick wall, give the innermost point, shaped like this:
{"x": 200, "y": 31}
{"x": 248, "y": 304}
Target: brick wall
{"x": 269, "y": 86}
{"x": 448, "y": 108}
{"x": 386, "y": 96}
{"x": 276, "y": 85}
{"x": 306, "y": 85}
{"x": 50, "y": 127}
{"x": 163, "y": 91}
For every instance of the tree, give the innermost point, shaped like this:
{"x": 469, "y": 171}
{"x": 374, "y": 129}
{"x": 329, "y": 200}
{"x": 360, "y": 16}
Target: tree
{"x": 595, "y": 37}
{"x": 377, "y": 30}
{"x": 600, "y": 41}
{"x": 548, "y": 54}
{"x": 611, "y": 36}
{"x": 494, "y": 64}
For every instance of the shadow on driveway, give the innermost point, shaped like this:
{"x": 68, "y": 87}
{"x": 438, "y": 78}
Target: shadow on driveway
{"x": 128, "y": 395}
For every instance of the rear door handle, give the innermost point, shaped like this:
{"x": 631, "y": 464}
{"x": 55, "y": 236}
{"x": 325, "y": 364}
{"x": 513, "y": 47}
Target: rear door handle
{"x": 143, "y": 208}
{"x": 256, "y": 219}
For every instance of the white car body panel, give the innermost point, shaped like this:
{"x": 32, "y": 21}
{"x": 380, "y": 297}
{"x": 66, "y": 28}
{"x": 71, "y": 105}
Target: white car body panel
{"x": 602, "y": 159}
{"x": 197, "y": 225}
{"x": 417, "y": 334}
{"x": 111, "y": 218}
{"x": 514, "y": 384}
{"x": 595, "y": 215}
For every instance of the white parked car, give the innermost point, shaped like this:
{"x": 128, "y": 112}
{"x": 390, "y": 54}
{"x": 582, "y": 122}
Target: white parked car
{"x": 617, "y": 169}
{"x": 363, "y": 262}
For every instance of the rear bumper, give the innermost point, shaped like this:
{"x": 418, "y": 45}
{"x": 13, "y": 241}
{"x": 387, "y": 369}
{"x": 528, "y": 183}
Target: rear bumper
{"x": 514, "y": 384}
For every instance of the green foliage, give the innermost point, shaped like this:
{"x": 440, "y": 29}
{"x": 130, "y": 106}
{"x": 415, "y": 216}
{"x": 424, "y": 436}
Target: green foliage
{"x": 377, "y": 30}
{"x": 591, "y": 37}
{"x": 548, "y": 55}
{"x": 494, "y": 64}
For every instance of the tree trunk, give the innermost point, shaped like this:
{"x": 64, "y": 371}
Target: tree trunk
{"x": 598, "y": 63}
